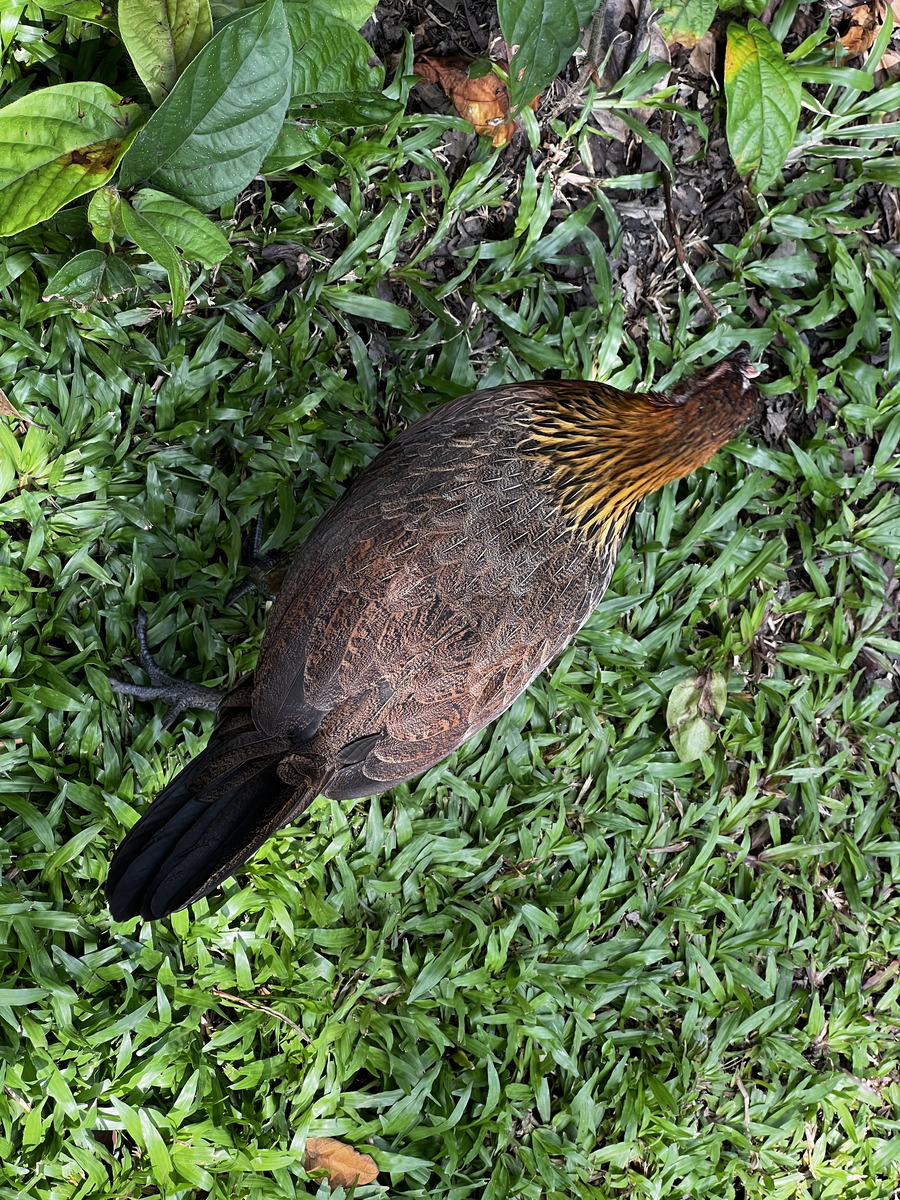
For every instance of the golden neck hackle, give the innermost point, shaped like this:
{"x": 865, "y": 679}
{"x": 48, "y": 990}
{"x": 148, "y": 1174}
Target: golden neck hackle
{"x": 608, "y": 449}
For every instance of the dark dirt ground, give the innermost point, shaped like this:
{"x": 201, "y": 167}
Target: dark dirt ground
{"x": 710, "y": 203}
{"x": 708, "y": 197}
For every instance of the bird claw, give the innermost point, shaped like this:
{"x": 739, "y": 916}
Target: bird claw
{"x": 178, "y": 694}
{"x": 263, "y": 577}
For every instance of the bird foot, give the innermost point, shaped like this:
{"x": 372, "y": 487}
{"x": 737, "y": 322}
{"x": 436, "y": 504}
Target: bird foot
{"x": 265, "y": 577}
{"x": 266, "y": 568}
{"x": 179, "y": 694}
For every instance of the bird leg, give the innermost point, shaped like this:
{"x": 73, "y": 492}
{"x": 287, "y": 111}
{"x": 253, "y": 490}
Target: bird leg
{"x": 265, "y": 577}
{"x": 179, "y": 694}
{"x": 266, "y": 568}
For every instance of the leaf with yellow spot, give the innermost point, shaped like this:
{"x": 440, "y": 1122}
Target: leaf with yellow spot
{"x": 57, "y": 143}
{"x": 762, "y": 92}
{"x": 685, "y": 21}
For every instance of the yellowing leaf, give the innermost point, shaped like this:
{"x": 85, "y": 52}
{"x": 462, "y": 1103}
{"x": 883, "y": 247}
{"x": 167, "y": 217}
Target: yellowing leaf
{"x": 162, "y": 37}
{"x": 103, "y": 213}
{"x": 57, "y": 143}
{"x": 686, "y": 21}
{"x": 343, "y": 1165}
{"x": 692, "y": 712}
{"x": 762, "y": 92}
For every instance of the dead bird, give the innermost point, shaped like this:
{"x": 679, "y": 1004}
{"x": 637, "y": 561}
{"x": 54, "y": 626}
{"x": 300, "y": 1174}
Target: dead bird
{"x": 459, "y": 563}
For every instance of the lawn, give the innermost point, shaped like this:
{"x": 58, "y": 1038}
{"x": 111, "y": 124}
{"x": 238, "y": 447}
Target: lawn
{"x": 563, "y": 963}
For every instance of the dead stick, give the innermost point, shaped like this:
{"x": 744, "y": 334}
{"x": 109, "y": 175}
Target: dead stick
{"x": 670, "y": 217}
{"x": 273, "y": 1012}
{"x": 591, "y": 65}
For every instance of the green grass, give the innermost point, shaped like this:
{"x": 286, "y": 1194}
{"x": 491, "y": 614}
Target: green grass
{"x": 563, "y": 963}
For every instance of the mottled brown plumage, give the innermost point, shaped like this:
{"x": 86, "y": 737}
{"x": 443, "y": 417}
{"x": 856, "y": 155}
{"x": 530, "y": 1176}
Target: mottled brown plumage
{"x": 453, "y": 570}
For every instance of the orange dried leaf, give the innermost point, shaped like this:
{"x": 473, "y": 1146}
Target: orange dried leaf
{"x": 484, "y": 102}
{"x": 6, "y": 409}
{"x": 342, "y": 1164}
{"x": 865, "y": 22}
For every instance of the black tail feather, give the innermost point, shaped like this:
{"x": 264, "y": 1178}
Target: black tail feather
{"x": 208, "y": 821}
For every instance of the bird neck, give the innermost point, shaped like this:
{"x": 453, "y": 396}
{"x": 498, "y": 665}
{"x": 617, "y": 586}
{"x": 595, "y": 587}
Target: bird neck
{"x": 608, "y": 449}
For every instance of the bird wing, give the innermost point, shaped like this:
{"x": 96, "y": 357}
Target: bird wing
{"x": 426, "y": 600}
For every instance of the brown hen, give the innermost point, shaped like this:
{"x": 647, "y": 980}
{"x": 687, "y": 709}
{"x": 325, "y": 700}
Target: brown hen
{"x": 451, "y": 572}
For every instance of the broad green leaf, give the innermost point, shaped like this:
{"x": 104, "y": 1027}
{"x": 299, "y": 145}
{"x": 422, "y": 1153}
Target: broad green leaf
{"x": 332, "y": 81}
{"x": 762, "y": 92}
{"x": 329, "y": 54}
{"x": 686, "y": 21}
{"x": 542, "y": 36}
{"x": 354, "y": 110}
{"x": 90, "y": 277}
{"x": 58, "y": 143}
{"x": 96, "y": 12}
{"x": 357, "y": 12}
{"x": 162, "y": 37}
{"x": 146, "y": 233}
{"x": 183, "y": 225}
{"x": 694, "y": 704}
{"x": 103, "y": 214}
{"x": 294, "y": 145}
{"x": 209, "y": 138}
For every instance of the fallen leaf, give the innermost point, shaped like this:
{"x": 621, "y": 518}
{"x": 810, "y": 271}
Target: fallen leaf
{"x": 6, "y": 409}
{"x": 703, "y": 55}
{"x": 483, "y": 101}
{"x": 865, "y": 22}
{"x": 692, "y": 712}
{"x": 342, "y": 1165}
{"x": 611, "y": 123}
{"x": 682, "y": 22}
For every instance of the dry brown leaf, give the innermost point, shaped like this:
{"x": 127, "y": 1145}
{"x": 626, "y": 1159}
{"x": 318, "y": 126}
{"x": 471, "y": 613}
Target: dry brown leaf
{"x": 484, "y": 102}
{"x": 6, "y": 409}
{"x": 865, "y": 22}
{"x": 703, "y": 55}
{"x": 342, "y": 1164}
{"x": 611, "y": 123}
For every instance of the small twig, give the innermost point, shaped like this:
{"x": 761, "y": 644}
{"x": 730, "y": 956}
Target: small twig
{"x": 273, "y": 1012}
{"x": 670, "y": 217}
{"x": 740, "y": 1087}
{"x": 9, "y": 410}
{"x": 23, "y": 1104}
{"x": 591, "y": 64}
